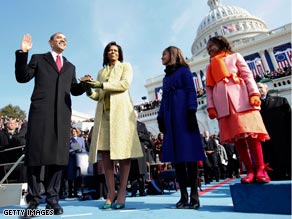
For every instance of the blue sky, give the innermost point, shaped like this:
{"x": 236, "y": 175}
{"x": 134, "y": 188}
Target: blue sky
{"x": 142, "y": 27}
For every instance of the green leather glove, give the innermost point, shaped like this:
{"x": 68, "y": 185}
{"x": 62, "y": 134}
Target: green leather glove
{"x": 94, "y": 84}
{"x": 86, "y": 87}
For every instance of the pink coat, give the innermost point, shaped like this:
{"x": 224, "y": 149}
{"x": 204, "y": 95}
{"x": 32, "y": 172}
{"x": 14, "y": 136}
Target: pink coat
{"x": 230, "y": 90}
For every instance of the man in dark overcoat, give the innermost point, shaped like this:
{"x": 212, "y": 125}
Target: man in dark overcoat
{"x": 138, "y": 167}
{"x": 49, "y": 120}
{"x": 276, "y": 114}
{"x": 212, "y": 159}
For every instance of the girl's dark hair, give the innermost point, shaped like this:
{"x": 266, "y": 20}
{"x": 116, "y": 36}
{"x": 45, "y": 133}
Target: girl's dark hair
{"x": 222, "y": 43}
{"x": 176, "y": 56}
{"x": 105, "y": 53}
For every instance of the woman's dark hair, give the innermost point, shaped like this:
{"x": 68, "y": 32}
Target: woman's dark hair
{"x": 222, "y": 43}
{"x": 105, "y": 53}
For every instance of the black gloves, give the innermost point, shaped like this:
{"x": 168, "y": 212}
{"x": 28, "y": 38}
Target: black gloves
{"x": 87, "y": 88}
{"x": 192, "y": 122}
{"x": 161, "y": 125}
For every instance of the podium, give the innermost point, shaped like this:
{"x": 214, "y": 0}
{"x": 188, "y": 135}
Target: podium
{"x": 12, "y": 193}
{"x": 273, "y": 197}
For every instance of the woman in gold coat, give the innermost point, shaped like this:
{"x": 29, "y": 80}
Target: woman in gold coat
{"x": 115, "y": 132}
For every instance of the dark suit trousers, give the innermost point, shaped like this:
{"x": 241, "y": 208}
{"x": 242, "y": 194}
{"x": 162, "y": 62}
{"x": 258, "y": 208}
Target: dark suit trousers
{"x": 52, "y": 183}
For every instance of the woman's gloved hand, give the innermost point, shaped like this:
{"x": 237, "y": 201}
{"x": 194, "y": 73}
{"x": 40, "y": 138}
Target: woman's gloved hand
{"x": 192, "y": 122}
{"x": 161, "y": 125}
{"x": 94, "y": 84}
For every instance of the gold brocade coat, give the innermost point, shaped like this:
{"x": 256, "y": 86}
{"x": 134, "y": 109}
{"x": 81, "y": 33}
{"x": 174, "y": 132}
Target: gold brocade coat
{"x": 124, "y": 140}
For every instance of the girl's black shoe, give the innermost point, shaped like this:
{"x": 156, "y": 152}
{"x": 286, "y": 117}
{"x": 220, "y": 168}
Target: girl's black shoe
{"x": 182, "y": 203}
{"x": 194, "y": 204}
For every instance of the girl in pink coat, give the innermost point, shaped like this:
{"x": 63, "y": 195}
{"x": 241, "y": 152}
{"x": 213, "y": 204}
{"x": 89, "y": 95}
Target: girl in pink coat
{"x": 234, "y": 99}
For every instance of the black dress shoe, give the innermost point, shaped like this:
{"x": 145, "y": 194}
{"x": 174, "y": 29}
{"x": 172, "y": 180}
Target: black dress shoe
{"x": 143, "y": 194}
{"x": 182, "y": 203}
{"x": 194, "y": 204}
{"x": 57, "y": 208}
{"x": 28, "y": 213}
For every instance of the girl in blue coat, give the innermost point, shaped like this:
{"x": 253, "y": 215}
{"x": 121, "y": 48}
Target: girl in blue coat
{"x": 182, "y": 144}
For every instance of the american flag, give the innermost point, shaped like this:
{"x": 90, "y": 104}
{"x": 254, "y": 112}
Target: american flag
{"x": 284, "y": 58}
{"x": 158, "y": 93}
{"x": 256, "y": 66}
{"x": 196, "y": 82}
{"x": 230, "y": 27}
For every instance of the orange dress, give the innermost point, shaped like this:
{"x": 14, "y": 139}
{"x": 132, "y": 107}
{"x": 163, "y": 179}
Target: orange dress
{"x": 241, "y": 125}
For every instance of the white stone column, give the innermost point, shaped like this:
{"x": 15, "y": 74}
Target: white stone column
{"x": 272, "y": 55}
{"x": 264, "y": 60}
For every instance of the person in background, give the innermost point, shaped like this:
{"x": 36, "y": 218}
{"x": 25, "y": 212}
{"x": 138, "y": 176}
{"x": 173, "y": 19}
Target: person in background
{"x": 233, "y": 161}
{"x": 87, "y": 144}
{"x": 138, "y": 166}
{"x": 149, "y": 154}
{"x": 276, "y": 113}
{"x": 49, "y": 119}
{"x": 12, "y": 136}
{"x": 115, "y": 131}
{"x": 222, "y": 159}
{"x": 77, "y": 145}
{"x": 2, "y": 122}
{"x": 158, "y": 147}
{"x": 210, "y": 148}
{"x": 234, "y": 99}
{"x": 182, "y": 144}
{"x": 101, "y": 188}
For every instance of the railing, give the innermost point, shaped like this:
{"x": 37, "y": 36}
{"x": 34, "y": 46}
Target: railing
{"x": 148, "y": 113}
{"x": 14, "y": 165}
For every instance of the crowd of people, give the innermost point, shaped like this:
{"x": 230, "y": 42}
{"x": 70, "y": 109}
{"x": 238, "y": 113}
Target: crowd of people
{"x": 118, "y": 140}
{"x": 222, "y": 161}
{"x": 149, "y": 105}
{"x": 12, "y": 135}
{"x": 278, "y": 73}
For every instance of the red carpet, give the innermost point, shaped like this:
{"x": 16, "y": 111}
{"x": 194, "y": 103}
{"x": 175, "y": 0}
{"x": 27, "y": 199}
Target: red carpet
{"x": 215, "y": 186}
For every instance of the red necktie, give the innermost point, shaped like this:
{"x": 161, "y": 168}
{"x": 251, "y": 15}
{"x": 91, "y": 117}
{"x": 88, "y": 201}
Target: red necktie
{"x": 59, "y": 63}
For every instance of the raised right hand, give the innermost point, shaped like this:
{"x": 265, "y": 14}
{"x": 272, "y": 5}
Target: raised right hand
{"x": 26, "y": 43}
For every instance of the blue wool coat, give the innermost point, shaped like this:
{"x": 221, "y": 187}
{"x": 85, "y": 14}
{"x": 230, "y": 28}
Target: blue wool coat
{"x": 179, "y": 95}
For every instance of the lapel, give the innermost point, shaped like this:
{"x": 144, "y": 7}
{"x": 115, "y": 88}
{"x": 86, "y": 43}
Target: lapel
{"x": 66, "y": 65}
{"x": 49, "y": 58}
{"x": 269, "y": 100}
{"x": 109, "y": 74}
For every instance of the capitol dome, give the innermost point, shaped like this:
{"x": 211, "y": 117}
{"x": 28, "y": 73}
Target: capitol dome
{"x": 233, "y": 22}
